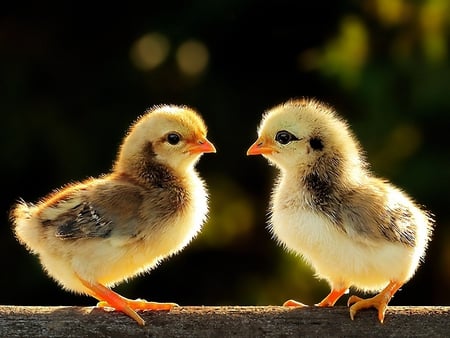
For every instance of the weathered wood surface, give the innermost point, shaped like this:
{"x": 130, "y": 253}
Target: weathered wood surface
{"x": 229, "y": 321}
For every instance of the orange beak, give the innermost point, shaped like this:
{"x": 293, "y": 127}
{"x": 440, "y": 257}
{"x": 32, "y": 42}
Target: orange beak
{"x": 259, "y": 148}
{"x": 201, "y": 146}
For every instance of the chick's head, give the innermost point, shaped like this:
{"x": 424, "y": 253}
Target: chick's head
{"x": 171, "y": 135}
{"x": 298, "y": 133}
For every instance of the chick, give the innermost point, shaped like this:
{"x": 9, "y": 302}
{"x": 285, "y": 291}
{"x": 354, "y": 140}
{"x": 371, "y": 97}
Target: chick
{"x": 91, "y": 235}
{"x": 354, "y": 229}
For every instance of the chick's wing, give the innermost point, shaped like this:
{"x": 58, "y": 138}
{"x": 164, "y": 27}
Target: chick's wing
{"x": 81, "y": 221}
{"x": 95, "y": 211}
{"x": 378, "y": 217}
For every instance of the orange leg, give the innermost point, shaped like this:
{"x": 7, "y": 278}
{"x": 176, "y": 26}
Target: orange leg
{"x": 109, "y": 298}
{"x": 379, "y": 301}
{"x": 332, "y": 297}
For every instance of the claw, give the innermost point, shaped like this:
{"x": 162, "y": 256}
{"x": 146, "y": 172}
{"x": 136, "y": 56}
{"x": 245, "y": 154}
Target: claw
{"x": 379, "y": 302}
{"x": 293, "y": 303}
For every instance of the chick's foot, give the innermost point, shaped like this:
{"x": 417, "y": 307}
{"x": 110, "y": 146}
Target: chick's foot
{"x": 142, "y": 304}
{"x": 293, "y": 303}
{"x": 109, "y": 298}
{"x": 379, "y": 302}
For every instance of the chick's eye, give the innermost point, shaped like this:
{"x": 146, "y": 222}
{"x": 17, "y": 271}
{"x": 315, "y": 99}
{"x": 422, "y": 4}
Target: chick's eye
{"x": 284, "y": 137}
{"x": 173, "y": 138}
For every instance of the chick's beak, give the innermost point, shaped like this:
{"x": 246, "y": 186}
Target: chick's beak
{"x": 201, "y": 146}
{"x": 259, "y": 148}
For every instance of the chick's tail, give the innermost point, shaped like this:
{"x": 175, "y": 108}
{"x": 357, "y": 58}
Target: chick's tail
{"x": 21, "y": 215}
{"x": 21, "y": 210}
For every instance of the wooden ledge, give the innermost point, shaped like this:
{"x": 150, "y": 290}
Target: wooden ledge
{"x": 211, "y": 321}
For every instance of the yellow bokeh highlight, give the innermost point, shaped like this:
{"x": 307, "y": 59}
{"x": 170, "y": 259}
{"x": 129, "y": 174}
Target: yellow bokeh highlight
{"x": 192, "y": 57}
{"x": 232, "y": 213}
{"x": 347, "y": 53}
{"x": 401, "y": 143}
{"x": 434, "y": 20}
{"x": 392, "y": 12}
{"x": 434, "y": 15}
{"x": 149, "y": 51}
{"x": 406, "y": 138}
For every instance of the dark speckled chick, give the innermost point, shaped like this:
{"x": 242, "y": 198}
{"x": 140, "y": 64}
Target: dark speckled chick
{"x": 352, "y": 227}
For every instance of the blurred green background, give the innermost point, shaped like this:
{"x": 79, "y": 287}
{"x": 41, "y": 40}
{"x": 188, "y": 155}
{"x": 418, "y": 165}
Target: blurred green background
{"x": 73, "y": 77}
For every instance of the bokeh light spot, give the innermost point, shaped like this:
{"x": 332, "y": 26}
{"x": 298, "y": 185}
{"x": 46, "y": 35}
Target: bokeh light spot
{"x": 192, "y": 57}
{"x": 232, "y": 213}
{"x": 434, "y": 17}
{"x": 391, "y": 12}
{"x": 407, "y": 139}
{"x": 149, "y": 51}
{"x": 345, "y": 55}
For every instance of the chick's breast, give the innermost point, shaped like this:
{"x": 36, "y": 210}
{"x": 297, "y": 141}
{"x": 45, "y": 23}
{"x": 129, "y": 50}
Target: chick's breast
{"x": 366, "y": 242}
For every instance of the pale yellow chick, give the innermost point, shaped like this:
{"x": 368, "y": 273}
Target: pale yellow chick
{"x": 354, "y": 229}
{"x": 89, "y": 236}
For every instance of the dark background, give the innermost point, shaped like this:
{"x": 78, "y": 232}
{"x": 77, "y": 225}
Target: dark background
{"x": 72, "y": 80}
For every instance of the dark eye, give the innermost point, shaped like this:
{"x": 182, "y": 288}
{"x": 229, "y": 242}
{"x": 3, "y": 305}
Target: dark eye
{"x": 316, "y": 143}
{"x": 284, "y": 137}
{"x": 173, "y": 138}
